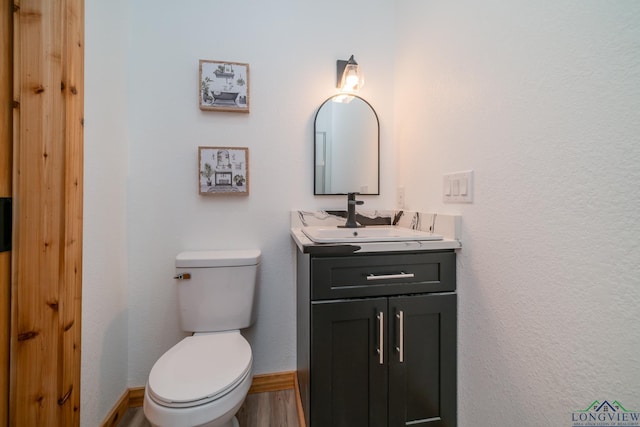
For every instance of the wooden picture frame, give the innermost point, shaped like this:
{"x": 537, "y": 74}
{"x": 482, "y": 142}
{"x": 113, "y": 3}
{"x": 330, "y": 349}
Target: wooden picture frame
{"x": 223, "y": 171}
{"x": 224, "y": 86}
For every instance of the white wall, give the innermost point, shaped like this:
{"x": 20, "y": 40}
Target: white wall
{"x": 142, "y": 131}
{"x": 541, "y": 99}
{"x": 104, "y": 305}
{"x": 292, "y": 48}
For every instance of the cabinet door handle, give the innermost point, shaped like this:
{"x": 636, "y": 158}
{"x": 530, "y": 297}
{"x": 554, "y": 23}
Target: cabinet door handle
{"x": 381, "y": 337}
{"x": 401, "y": 275}
{"x": 400, "y": 347}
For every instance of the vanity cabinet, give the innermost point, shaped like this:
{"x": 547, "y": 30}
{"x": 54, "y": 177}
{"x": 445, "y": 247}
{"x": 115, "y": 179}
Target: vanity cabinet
{"x": 376, "y": 339}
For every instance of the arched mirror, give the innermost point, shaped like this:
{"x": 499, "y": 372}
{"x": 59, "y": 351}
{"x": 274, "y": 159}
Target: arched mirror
{"x": 347, "y": 147}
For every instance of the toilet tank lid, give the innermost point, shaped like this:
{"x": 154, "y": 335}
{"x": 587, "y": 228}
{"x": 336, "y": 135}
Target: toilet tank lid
{"x": 229, "y": 258}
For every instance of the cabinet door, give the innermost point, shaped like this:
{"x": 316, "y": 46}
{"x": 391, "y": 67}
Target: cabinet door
{"x": 348, "y": 374}
{"x": 422, "y": 365}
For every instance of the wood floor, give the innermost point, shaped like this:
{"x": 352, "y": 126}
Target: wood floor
{"x": 268, "y": 409}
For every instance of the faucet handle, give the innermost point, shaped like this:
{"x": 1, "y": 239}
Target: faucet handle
{"x": 351, "y": 199}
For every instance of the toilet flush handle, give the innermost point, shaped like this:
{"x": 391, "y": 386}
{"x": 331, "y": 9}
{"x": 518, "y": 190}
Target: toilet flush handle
{"x": 183, "y": 276}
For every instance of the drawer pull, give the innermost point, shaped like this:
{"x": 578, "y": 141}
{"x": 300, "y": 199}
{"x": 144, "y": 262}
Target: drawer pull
{"x": 381, "y": 337}
{"x": 401, "y": 275}
{"x": 400, "y": 347}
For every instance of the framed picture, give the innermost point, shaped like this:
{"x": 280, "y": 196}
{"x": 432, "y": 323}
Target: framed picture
{"x": 223, "y": 171}
{"x": 224, "y": 86}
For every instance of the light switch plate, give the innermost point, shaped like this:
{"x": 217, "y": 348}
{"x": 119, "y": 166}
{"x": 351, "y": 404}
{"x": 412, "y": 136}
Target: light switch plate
{"x": 457, "y": 187}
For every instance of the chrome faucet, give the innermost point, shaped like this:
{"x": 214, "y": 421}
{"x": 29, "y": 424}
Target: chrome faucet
{"x": 351, "y": 211}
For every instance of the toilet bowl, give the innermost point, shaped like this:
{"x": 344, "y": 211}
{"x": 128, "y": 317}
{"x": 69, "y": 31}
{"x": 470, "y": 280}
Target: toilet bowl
{"x": 200, "y": 382}
{"x": 203, "y": 380}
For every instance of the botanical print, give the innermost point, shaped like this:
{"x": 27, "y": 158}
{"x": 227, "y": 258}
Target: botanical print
{"x": 224, "y": 86}
{"x": 223, "y": 170}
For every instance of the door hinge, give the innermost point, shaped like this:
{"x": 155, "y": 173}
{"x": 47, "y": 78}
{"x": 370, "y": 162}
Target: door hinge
{"x": 5, "y": 224}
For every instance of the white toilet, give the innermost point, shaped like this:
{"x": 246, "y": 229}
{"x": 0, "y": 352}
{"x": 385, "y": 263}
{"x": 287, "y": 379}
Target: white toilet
{"x": 204, "y": 379}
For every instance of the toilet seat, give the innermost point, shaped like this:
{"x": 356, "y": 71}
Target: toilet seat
{"x": 200, "y": 369}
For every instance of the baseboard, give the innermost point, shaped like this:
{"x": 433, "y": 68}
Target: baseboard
{"x": 118, "y": 411}
{"x": 299, "y": 410}
{"x": 262, "y": 383}
{"x": 136, "y": 397}
{"x": 272, "y": 382}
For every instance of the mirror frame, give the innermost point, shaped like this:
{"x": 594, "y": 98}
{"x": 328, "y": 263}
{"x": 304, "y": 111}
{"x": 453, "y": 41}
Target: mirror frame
{"x": 315, "y": 118}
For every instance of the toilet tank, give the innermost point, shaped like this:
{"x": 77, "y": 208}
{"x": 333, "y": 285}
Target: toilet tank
{"x": 216, "y": 289}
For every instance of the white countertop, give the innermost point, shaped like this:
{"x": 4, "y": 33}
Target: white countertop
{"x": 306, "y": 245}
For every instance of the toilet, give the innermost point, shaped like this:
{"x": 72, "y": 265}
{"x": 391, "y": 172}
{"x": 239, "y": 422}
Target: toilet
{"x": 203, "y": 380}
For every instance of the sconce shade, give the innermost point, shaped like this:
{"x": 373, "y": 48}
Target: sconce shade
{"x": 349, "y": 75}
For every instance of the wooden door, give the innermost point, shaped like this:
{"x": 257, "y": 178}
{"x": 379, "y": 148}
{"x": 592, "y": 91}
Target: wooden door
{"x": 422, "y": 364}
{"x": 6, "y": 83}
{"x": 46, "y": 267}
{"x": 348, "y": 375}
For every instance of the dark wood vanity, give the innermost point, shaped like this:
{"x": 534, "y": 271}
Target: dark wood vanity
{"x": 376, "y": 338}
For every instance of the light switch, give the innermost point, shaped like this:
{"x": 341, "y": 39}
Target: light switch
{"x": 463, "y": 186}
{"x": 455, "y": 187}
{"x": 447, "y": 186}
{"x": 458, "y": 187}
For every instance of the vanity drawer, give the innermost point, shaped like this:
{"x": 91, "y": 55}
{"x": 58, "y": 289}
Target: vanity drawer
{"x": 382, "y": 274}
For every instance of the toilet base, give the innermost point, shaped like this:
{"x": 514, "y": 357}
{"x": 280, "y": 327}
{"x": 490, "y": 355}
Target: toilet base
{"x": 233, "y": 422}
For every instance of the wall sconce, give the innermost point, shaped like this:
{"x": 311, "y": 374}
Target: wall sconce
{"x": 350, "y": 77}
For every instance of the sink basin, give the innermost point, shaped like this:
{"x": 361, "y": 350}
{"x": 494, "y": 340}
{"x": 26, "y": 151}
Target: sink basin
{"x": 378, "y": 233}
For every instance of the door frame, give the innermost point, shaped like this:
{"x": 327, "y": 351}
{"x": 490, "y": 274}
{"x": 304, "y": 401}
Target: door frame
{"x": 6, "y": 140}
{"x": 42, "y": 137}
